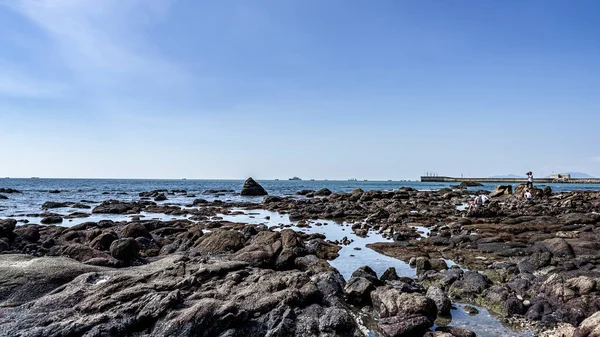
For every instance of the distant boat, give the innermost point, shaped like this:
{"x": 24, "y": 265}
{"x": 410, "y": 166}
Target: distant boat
{"x": 353, "y": 179}
{"x": 390, "y": 180}
{"x": 276, "y": 179}
{"x": 312, "y": 180}
{"x": 35, "y": 177}
{"x": 183, "y": 178}
{"x": 365, "y": 180}
{"x": 295, "y": 178}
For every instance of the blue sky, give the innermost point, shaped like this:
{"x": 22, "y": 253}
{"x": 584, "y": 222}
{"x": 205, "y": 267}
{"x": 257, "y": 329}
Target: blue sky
{"x": 318, "y": 89}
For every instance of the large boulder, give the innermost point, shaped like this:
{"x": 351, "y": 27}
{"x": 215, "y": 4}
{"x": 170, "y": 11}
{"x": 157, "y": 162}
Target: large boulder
{"x": 135, "y": 230}
{"x": 501, "y": 190}
{"x": 179, "y": 296}
{"x": 403, "y": 314}
{"x": 53, "y": 219}
{"x": 126, "y": 249}
{"x": 558, "y": 247}
{"x": 470, "y": 286}
{"x": 83, "y": 253}
{"x": 220, "y": 241}
{"x": 9, "y": 190}
{"x": 535, "y": 192}
{"x": 29, "y": 233}
{"x": 590, "y": 327}
{"x": 7, "y": 226}
{"x": 54, "y": 204}
{"x": 121, "y": 207}
{"x": 252, "y": 188}
{"x": 323, "y": 192}
{"x": 467, "y": 183}
{"x": 358, "y": 291}
{"x": 442, "y": 302}
{"x": 103, "y": 241}
{"x": 24, "y": 278}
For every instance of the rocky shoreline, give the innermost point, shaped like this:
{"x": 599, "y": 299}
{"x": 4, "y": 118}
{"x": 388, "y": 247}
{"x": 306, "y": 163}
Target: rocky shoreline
{"x": 534, "y": 262}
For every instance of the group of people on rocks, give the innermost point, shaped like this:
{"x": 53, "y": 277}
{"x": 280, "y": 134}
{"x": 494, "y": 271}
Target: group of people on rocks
{"x": 482, "y": 199}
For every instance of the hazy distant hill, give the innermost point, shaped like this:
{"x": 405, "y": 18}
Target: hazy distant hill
{"x": 508, "y": 176}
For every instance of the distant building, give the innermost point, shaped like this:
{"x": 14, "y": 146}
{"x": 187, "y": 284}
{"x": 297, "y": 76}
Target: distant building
{"x": 563, "y": 176}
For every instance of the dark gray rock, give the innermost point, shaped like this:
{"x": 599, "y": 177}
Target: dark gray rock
{"x": 53, "y": 204}
{"x": 442, "y": 302}
{"x": 54, "y": 219}
{"x": 125, "y": 249}
{"x": 358, "y": 291}
{"x": 323, "y": 192}
{"x": 252, "y": 188}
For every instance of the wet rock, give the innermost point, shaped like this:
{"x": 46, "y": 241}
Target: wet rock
{"x": 323, "y": 192}
{"x": 3, "y": 197}
{"x": 252, "y": 188}
{"x": 80, "y": 206}
{"x": 52, "y": 220}
{"x": 442, "y": 302}
{"x": 470, "y": 310}
{"x": 198, "y": 202}
{"x": 160, "y": 197}
{"x": 9, "y": 190}
{"x": 125, "y": 249}
{"x": 54, "y": 191}
{"x": 53, "y": 204}
{"x": 121, "y": 207}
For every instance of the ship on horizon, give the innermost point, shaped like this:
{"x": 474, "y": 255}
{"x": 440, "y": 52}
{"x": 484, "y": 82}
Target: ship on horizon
{"x": 295, "y": 178}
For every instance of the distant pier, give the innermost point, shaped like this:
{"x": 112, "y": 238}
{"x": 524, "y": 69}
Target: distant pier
{"x": 442, "y": 179}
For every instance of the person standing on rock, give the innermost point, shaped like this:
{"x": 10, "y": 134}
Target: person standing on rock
{"x": 529, "y": 179}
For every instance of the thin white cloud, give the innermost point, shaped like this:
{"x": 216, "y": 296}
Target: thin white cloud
{"x": 100, "y": 36}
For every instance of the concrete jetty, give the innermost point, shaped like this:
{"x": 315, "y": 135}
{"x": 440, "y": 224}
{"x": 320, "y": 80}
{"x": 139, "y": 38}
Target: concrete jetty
{"x": 443, "y": 179}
